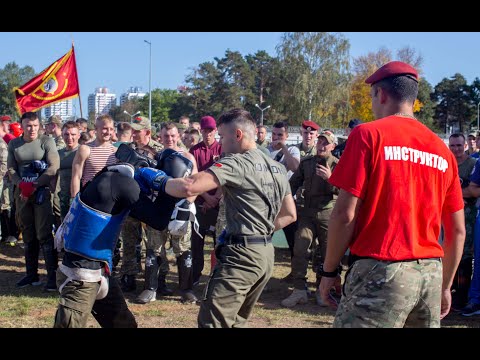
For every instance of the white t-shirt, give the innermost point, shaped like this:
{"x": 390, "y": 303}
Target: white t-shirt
{"x": 293, "y": 150}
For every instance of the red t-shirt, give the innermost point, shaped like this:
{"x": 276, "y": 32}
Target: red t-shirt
{"x": 205, "y": 157}
{"x": 8, "y": 137}
{"x": 406, "y": 177}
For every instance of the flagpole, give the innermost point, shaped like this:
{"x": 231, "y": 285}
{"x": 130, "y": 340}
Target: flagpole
{"x": 79, "y": 94}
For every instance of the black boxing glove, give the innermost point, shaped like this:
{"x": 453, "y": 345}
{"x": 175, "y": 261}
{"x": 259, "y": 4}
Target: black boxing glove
{"x": 173, "y": 163}
{"x": 127, "y": 154}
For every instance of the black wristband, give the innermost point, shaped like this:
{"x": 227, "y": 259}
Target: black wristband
{"x": 327, "y": 274}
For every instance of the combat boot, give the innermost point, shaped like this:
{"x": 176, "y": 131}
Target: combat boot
{"x": 296, "y": 297}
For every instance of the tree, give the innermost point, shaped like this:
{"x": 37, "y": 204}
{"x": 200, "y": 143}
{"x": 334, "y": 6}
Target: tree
{"x": 454, "y": 103}
{"x": 163, "y": 101}
{"x": 427, "y": 110}
{"x": 12, "y": 76}
{"x": 365, "y": 65}
{"x": 314, "y": 73}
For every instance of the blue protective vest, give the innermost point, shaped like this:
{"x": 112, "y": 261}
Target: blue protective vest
{"x": 92, "y": 233}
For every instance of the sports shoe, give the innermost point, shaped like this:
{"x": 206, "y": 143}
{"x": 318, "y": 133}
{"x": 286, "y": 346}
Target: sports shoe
{"x": 146, "y": 296}
{"x": 29, "y": 280}
{"x": 296, "y": 297}
{"x": 471, "y": 309}
{"x": 188, "y": 297}
{"x": 11, "y": 240}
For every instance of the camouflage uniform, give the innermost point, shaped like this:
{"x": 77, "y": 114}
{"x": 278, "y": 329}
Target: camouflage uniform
{"x": 290, "y": 229}
{"x": 131, "y": 233}
{"x": 383, "y": 289}
{"x": 221, "y": 219}
{"x": 319, "y": 200}
{"x": 263, "y": 143}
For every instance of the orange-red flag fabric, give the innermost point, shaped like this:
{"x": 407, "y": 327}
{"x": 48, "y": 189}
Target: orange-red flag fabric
{"x": 56, "y": 83}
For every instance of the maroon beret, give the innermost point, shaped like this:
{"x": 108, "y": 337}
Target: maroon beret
{"x": 310, "y": 124}
{"x": 393, "y": 68}
{"x": 5, "y": 118}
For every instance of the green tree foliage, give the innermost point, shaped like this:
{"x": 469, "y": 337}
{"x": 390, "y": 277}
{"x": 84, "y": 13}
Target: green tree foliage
{"x": 314, "y": 71}
{"x": 427, "y": 111}
{"x": 163, "y": 101}
{"x": 198, "y": 98}
{"x": 454, "y": 103}
{"x": 12, "y": 76}
{"x": 236, "y": 82}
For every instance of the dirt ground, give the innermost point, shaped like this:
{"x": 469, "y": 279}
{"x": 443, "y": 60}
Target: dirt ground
{"x": 31, "y": 307}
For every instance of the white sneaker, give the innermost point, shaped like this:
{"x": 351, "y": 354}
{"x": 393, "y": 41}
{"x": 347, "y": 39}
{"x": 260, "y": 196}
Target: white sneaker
{"x": 296, "y": 297}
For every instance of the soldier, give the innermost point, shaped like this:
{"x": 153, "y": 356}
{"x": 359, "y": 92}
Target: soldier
{"x": 319, "y": 200}
{"x": 262, "y": 136}
{"x": 466, "y": 164}
{"x": 306, "y": 148}
{"x": 258, "y": 202}
{"x": 53, "y": 128}
{"x": 70, "y": 134}
{"x": 32, "y": 163}
{"x": 131, "y": 233}
{"x": 398, "y": 184}
{"x": 156, "y": 241}
{"x": 352, "y": 124}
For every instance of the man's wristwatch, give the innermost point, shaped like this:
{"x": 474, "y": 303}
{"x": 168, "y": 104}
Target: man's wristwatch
{"x": 327, "y": 274}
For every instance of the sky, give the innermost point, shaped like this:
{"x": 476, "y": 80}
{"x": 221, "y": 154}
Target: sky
{"x": 119, "y": 60}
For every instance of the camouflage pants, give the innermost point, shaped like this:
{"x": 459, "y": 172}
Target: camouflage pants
{"x": 7, "y": 194}
{"x": 131, "y": 234}
{"x": 65, "y": 202}
{"x": 309, "y": 228}
{"x": 157, "y": 241}
{"x": 391, "y": 294}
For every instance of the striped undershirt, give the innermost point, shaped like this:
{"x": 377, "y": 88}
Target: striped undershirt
{"x": 100, "y": 156}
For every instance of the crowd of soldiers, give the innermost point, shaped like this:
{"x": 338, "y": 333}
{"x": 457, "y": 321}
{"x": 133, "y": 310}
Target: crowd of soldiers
{"x": 239, "y": 190}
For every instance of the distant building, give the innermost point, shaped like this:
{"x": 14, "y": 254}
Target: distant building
{"x": 101, "y": 101}
{"x": 62, "y": 108}
{"x": 134, "y": 92}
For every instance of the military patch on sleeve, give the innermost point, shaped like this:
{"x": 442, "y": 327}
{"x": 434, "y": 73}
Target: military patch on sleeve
{"x": 217, "y": 165}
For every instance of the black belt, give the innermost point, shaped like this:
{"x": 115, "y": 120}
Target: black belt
{"x": 352, "y": 258}
{"x": 245, "y": 240}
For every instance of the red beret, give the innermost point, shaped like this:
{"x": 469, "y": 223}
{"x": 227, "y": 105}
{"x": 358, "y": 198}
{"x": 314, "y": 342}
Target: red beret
{"x": 310, "y": 124}
{"x": 393, "y": 68}
{"x": 5, "y": 118}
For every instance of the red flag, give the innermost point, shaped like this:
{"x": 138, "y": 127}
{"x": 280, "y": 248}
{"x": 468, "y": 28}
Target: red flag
{"x": 56, "y": 83}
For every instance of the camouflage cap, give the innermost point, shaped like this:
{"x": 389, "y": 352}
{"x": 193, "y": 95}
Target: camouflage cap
{"x": 331, "y": 138}
{"x": 90, "y": 126}
{"x": 140, "y": 123}
{"x": 54, "y": 119}
{"x": 181, "y": 126}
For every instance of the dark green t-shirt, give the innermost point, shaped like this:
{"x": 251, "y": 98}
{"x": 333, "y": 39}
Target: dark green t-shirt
{"x": 65, "y": 170}
{"x": 254, "y": 187}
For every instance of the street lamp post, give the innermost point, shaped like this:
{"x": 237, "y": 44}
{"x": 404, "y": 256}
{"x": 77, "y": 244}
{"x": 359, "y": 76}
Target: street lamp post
{"x": 262, "y": 110}
{"x": 131, "y": 116}
{"x": 150, "y": 83}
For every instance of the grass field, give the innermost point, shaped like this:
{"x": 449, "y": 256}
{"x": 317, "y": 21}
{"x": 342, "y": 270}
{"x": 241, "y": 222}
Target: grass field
{"x": 30, "y": 307}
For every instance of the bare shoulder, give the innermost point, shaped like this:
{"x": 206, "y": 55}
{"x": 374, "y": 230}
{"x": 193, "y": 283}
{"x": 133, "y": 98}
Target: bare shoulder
{"x": 83, "y": 152}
